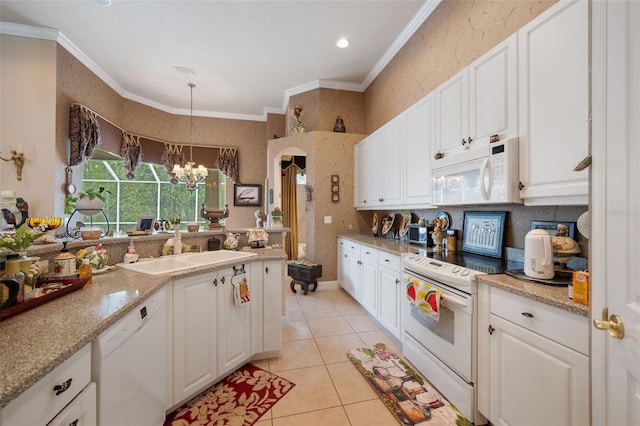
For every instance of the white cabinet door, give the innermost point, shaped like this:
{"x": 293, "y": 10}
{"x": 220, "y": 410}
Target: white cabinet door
{"x": 390, "y": 158}
{"x": 272, "y": 273}
{"x": 257, "y": 307}
{"x": 368, "y": 279}
{"x": 390, "y": 297}
{"x": 234, "y": 333}
{"x": 360, "y": 159}
{"x": 452, "y": 114}
{"x": 554, "y": 105}
{"x": 493, "y": 96}
{"x": 419, "y": 136}
{"x": 534, "y": 380}
{"x": 195, "y": 328}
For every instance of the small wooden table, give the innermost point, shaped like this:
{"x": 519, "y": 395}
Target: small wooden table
{"x": 304, "y": 274}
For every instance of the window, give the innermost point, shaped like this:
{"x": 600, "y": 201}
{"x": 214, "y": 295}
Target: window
{"x": 150, "y": 194}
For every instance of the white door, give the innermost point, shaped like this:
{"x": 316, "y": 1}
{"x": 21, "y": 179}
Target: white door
{"x": 369, "y": 285}
{"x": 615, "y": 210}
{"x": 388, "y": 312}
{"x": 391, "y": 160}
{"x": 452, "y": 113}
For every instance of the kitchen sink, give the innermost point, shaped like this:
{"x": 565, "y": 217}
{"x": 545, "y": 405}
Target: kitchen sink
{"x": 169, "y": 264}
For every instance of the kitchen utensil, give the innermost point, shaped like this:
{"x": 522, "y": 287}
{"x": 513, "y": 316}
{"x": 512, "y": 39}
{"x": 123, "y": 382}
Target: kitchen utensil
{"x": 538, "y": 254}
{"x": 69, "y": 188}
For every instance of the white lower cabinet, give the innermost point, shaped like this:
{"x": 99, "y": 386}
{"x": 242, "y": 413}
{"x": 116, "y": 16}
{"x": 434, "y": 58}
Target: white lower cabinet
{"x": 195, "y": 334}
{"x": 81, "y": 411}
{"x": 368, "y": 279}
{"x": 538, "y": 368}
{"x": 372, "y": 277}
{"x": 41, "y": 403}
{"x": 234, "y": 332}
{"x": 389, "y": 292}
{"x": 211, "y": 334}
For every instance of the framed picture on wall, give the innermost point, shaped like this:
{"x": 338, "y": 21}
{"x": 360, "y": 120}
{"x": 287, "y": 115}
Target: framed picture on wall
{"x": 247, "y": 195}
{"x": 335, "y": 188}
{"x": 335, "y": 179}
{"x": 335, "y": 197}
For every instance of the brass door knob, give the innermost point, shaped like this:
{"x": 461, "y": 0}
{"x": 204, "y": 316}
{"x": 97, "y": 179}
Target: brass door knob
{"x": 613, "y": 324}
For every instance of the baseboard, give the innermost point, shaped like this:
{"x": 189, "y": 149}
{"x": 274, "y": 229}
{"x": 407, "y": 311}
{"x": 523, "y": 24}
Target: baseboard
{"x": 328, "y": 285}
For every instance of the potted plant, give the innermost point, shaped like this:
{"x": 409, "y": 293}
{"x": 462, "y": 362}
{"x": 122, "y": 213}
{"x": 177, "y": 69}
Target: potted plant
{"x": 89, "y": 202}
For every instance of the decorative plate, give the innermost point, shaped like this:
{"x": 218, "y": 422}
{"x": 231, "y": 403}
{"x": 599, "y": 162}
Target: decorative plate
{"x": 404, "y": 225}
{"x": 103, "y": 270}
{"x": 374, "y": 225}
{"x": 584, "y": 224}
{"x": 444, "y": 216}
{"x": 387, "y": 223}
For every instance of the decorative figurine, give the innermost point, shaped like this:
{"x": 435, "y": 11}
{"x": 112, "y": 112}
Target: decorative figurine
{"x": 339, "y": 126}
{"x": 298, "y": 127}
{"x": 437, "y": 234}
{"x": 564, "y": 247}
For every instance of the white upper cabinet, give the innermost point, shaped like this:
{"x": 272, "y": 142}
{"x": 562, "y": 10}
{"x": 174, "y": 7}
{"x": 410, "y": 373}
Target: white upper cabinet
{"x": 554, "y": 105}
{"x": 479, "y": 101}
{"x": 452, "y": 114}
{"x": 419, "y": 134}
{"x": 493, "y": 93}
{"x": 378, "y": 168}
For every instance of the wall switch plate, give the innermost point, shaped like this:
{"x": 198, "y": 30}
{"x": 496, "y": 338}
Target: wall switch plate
{"x": 327, "y": 219}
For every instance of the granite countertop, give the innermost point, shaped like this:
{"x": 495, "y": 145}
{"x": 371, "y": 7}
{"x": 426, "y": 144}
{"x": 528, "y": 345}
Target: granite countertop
{"x": 35, "y": 342}
{"x": 549, "y": 294}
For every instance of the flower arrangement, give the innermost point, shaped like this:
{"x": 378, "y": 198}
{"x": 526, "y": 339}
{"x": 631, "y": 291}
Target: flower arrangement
{"x": 22, "y": 238}
{"x": 97, "y": 256}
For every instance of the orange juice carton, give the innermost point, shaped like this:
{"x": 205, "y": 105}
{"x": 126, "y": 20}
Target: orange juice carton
{"x": 581, "y": 287}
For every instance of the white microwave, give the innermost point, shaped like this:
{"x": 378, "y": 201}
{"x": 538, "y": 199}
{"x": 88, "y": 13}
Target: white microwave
{"x": 485, "y": 175}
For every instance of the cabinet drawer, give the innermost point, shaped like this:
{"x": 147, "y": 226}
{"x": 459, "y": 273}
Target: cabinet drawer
{"x": 353, "y": 247}
{"x": 42, "y": 401}
{"x": 561, "y": 326}
{"x": 81, "y": 412}
{"x": 368, "y": 254}
{"x": 388, "y": 260}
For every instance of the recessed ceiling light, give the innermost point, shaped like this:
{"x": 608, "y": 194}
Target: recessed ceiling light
{"x": 103, "y": 2}
{"x": 342, "y": 43}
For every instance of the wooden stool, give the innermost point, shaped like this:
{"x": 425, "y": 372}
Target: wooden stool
{"x": 304, "y": 274}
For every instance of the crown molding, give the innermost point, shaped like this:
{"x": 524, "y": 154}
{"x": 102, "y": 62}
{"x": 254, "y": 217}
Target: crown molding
{"x": 425, "y": 11}
{"x": 21, "y": 30}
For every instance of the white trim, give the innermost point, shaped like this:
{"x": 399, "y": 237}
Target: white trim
{"x": 425, "y": 11}
{"x": 50, "y": 34}
{"x": 598, "y": 151}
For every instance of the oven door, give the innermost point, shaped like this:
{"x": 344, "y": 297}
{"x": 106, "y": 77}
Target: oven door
{"x": 450, "y": 337}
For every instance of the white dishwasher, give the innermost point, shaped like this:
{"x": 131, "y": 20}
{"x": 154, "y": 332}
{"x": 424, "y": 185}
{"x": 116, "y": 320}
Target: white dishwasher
{"x": 129, "y": 367}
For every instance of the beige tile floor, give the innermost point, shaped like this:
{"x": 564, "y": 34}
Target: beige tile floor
{"x": 321, "y": 328}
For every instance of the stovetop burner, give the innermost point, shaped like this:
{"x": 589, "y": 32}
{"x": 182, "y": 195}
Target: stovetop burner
{"x": 482, "y": 264}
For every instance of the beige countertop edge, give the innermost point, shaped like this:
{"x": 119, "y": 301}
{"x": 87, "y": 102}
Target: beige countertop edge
{"x": 35, "y": 342}
{"x": 551, "y": 295}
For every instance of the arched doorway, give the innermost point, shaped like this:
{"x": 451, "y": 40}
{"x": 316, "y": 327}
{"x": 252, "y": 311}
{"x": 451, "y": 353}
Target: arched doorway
{"x": 288, "y": 179}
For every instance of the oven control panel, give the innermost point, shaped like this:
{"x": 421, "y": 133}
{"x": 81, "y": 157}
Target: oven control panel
{"x": 447, "y": 273}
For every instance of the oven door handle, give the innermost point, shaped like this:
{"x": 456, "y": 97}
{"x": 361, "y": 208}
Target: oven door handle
{"x": 453, "y": 300}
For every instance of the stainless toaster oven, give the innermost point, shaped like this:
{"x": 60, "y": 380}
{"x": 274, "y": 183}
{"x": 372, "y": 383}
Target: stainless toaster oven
{"x": 420, "y": 234}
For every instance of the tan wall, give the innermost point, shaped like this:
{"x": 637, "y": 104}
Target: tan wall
{"x": 76, "y": 83}
{"x": 327, "y": 154}
{"x": 457, "y": 33}
{"x": 322, "y": 106}
{"x": 27, "y": 114}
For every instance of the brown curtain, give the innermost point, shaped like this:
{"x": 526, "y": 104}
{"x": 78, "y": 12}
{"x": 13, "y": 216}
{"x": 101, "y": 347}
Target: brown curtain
{"x": 84, "y": 134}
{"x": 131, "y": 153}
{"x": 228, "y": 163}
{"x": 290, "y": 210}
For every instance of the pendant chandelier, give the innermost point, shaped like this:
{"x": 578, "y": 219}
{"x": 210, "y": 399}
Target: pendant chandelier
{"x": 190, "y": 175}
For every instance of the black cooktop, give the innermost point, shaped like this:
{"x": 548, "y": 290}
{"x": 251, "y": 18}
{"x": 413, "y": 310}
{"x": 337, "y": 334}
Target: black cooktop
{"x": 484, "y": 264}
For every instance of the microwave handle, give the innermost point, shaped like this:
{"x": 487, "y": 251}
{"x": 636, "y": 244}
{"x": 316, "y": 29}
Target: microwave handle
{"x": 484, "y": 169}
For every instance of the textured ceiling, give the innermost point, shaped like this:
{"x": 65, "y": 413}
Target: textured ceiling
{"x": 248, "y": 56}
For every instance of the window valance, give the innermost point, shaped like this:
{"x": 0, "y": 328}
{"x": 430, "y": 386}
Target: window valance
{"x": 87, "y": 130}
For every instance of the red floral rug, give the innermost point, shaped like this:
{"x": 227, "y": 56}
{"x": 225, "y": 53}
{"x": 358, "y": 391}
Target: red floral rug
{"x": 409, "y": 396}
{"x": 240, "y": 399}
